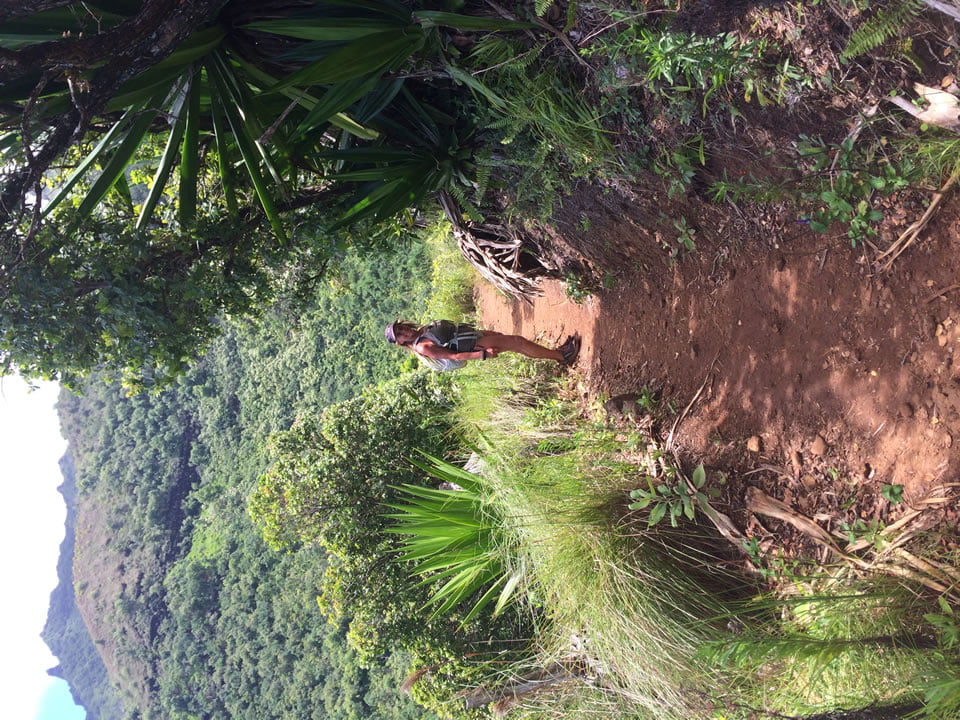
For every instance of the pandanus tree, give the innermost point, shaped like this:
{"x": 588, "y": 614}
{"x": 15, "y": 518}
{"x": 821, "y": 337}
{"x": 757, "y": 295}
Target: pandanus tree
{"x": 158, "y": 156}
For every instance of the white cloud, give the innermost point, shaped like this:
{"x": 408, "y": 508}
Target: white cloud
{"x": 32, "y": 517}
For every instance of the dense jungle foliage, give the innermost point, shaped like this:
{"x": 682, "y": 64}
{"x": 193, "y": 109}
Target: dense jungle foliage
{"x": 236, "y": 157}
{"x": 207, "y": 619}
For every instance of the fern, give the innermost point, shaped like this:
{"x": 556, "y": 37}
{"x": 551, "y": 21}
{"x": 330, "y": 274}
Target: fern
{"x": 882, "y": 26}
{"x": 541, "y": 7}
{"x": 505, "y": 55}
{"x": 484, "y": 161}
{"x": 468, "y": 208}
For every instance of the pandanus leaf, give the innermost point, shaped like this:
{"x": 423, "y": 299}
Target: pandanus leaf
{"x": 369, "y": 55}
{"x": 123, "y": 140}
{"x": 48, "y": 26}
{"x": 245, "y": 143}
{"x": 165, "y": 72}
{"x": 120, "y": 159}
{"x": 224, "y": 153}
{"x": 190, "y": 153}
{"x": 170, "y": 152}
{"x": 430, "y": 18}
{"x": 380, "y": 7}
{"x": 100, "y": 150}
{"x": 330, "y": 114}
{"x": 338, "y": 30}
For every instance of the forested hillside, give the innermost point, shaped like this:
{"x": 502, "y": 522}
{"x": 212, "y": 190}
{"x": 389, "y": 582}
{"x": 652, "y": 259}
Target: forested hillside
{"x": 193, "y": 615}
{"x": 65, "y": 632}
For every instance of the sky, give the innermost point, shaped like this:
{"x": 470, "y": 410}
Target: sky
{"x": 32, "y": 517}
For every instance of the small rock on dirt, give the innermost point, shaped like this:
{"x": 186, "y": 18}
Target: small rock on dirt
{"x": 819, "y": 446}
{"x": 905, "y": 410}
{"x": 753, "y": 444}
{"x": 809, "y": 482}
{"x": 796, "y": 460}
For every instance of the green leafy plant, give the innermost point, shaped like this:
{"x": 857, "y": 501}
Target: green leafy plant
{"x": 892, "y": 493}
{"x": 678, "y": 165}
{"x": 647, "y": 399}
{"x": 576, "y": 288}
{"x": 671, "y": 496}
{"x": 685, "y": 234}
{"x": 862, "y": 531}
{"x": 887, "y": 21}
{"x": 455, "y": 543}
{"x": 946, "y": 623}
{"x": 678, "y": 62}
{"x": 542, "y": 134}
{"x": 845, "y": 183}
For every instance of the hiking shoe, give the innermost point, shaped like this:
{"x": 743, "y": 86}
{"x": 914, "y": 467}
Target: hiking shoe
{"x": 570, "y": 350}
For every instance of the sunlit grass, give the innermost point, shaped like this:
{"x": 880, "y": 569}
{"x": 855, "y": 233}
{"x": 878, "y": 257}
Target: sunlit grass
{"x": 452, "y": 278}
{"x": 654, "y": 621}
{"x": 631, "y": 610}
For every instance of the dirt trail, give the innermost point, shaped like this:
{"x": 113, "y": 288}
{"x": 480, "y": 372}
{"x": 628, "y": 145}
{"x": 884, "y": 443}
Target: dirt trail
{"x": 795, "y": 338}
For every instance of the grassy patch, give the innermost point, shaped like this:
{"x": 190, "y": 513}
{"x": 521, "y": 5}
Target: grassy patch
{"x": 648, "y": 620}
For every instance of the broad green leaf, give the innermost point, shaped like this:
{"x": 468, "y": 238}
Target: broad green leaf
{"x": 190, "y": 153}
{"x": 656, "y": 515}
{"x": 170, "y": 153}
{"x": 431, "y": 18}
{"x": 699, "y": 476}
{"x": 366, "y": 56}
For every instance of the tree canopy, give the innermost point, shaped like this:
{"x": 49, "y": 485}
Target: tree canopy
{"x": 166, "y": 162}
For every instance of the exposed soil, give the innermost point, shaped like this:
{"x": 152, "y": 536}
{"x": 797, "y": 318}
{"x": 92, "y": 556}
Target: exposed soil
{"x": 822, "y": 379}
{"x": 794, "y": 363}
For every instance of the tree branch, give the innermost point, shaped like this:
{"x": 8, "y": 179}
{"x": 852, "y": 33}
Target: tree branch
{"x": 19, "y": 8}
{"x": 133, "y": 46}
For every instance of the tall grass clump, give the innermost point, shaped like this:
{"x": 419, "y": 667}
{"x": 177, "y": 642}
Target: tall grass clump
{"x": 655, "y": 621}
{"x": 540, "y": 130}
{"x": 936, "y": 155}
{"x": 835, "y": 642}
{"x": 452, "y": 278}
{"x": 633, "y": 610}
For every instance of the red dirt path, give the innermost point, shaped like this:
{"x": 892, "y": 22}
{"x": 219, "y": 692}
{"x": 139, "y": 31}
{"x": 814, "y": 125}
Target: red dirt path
{"x": 793, "y": 334}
